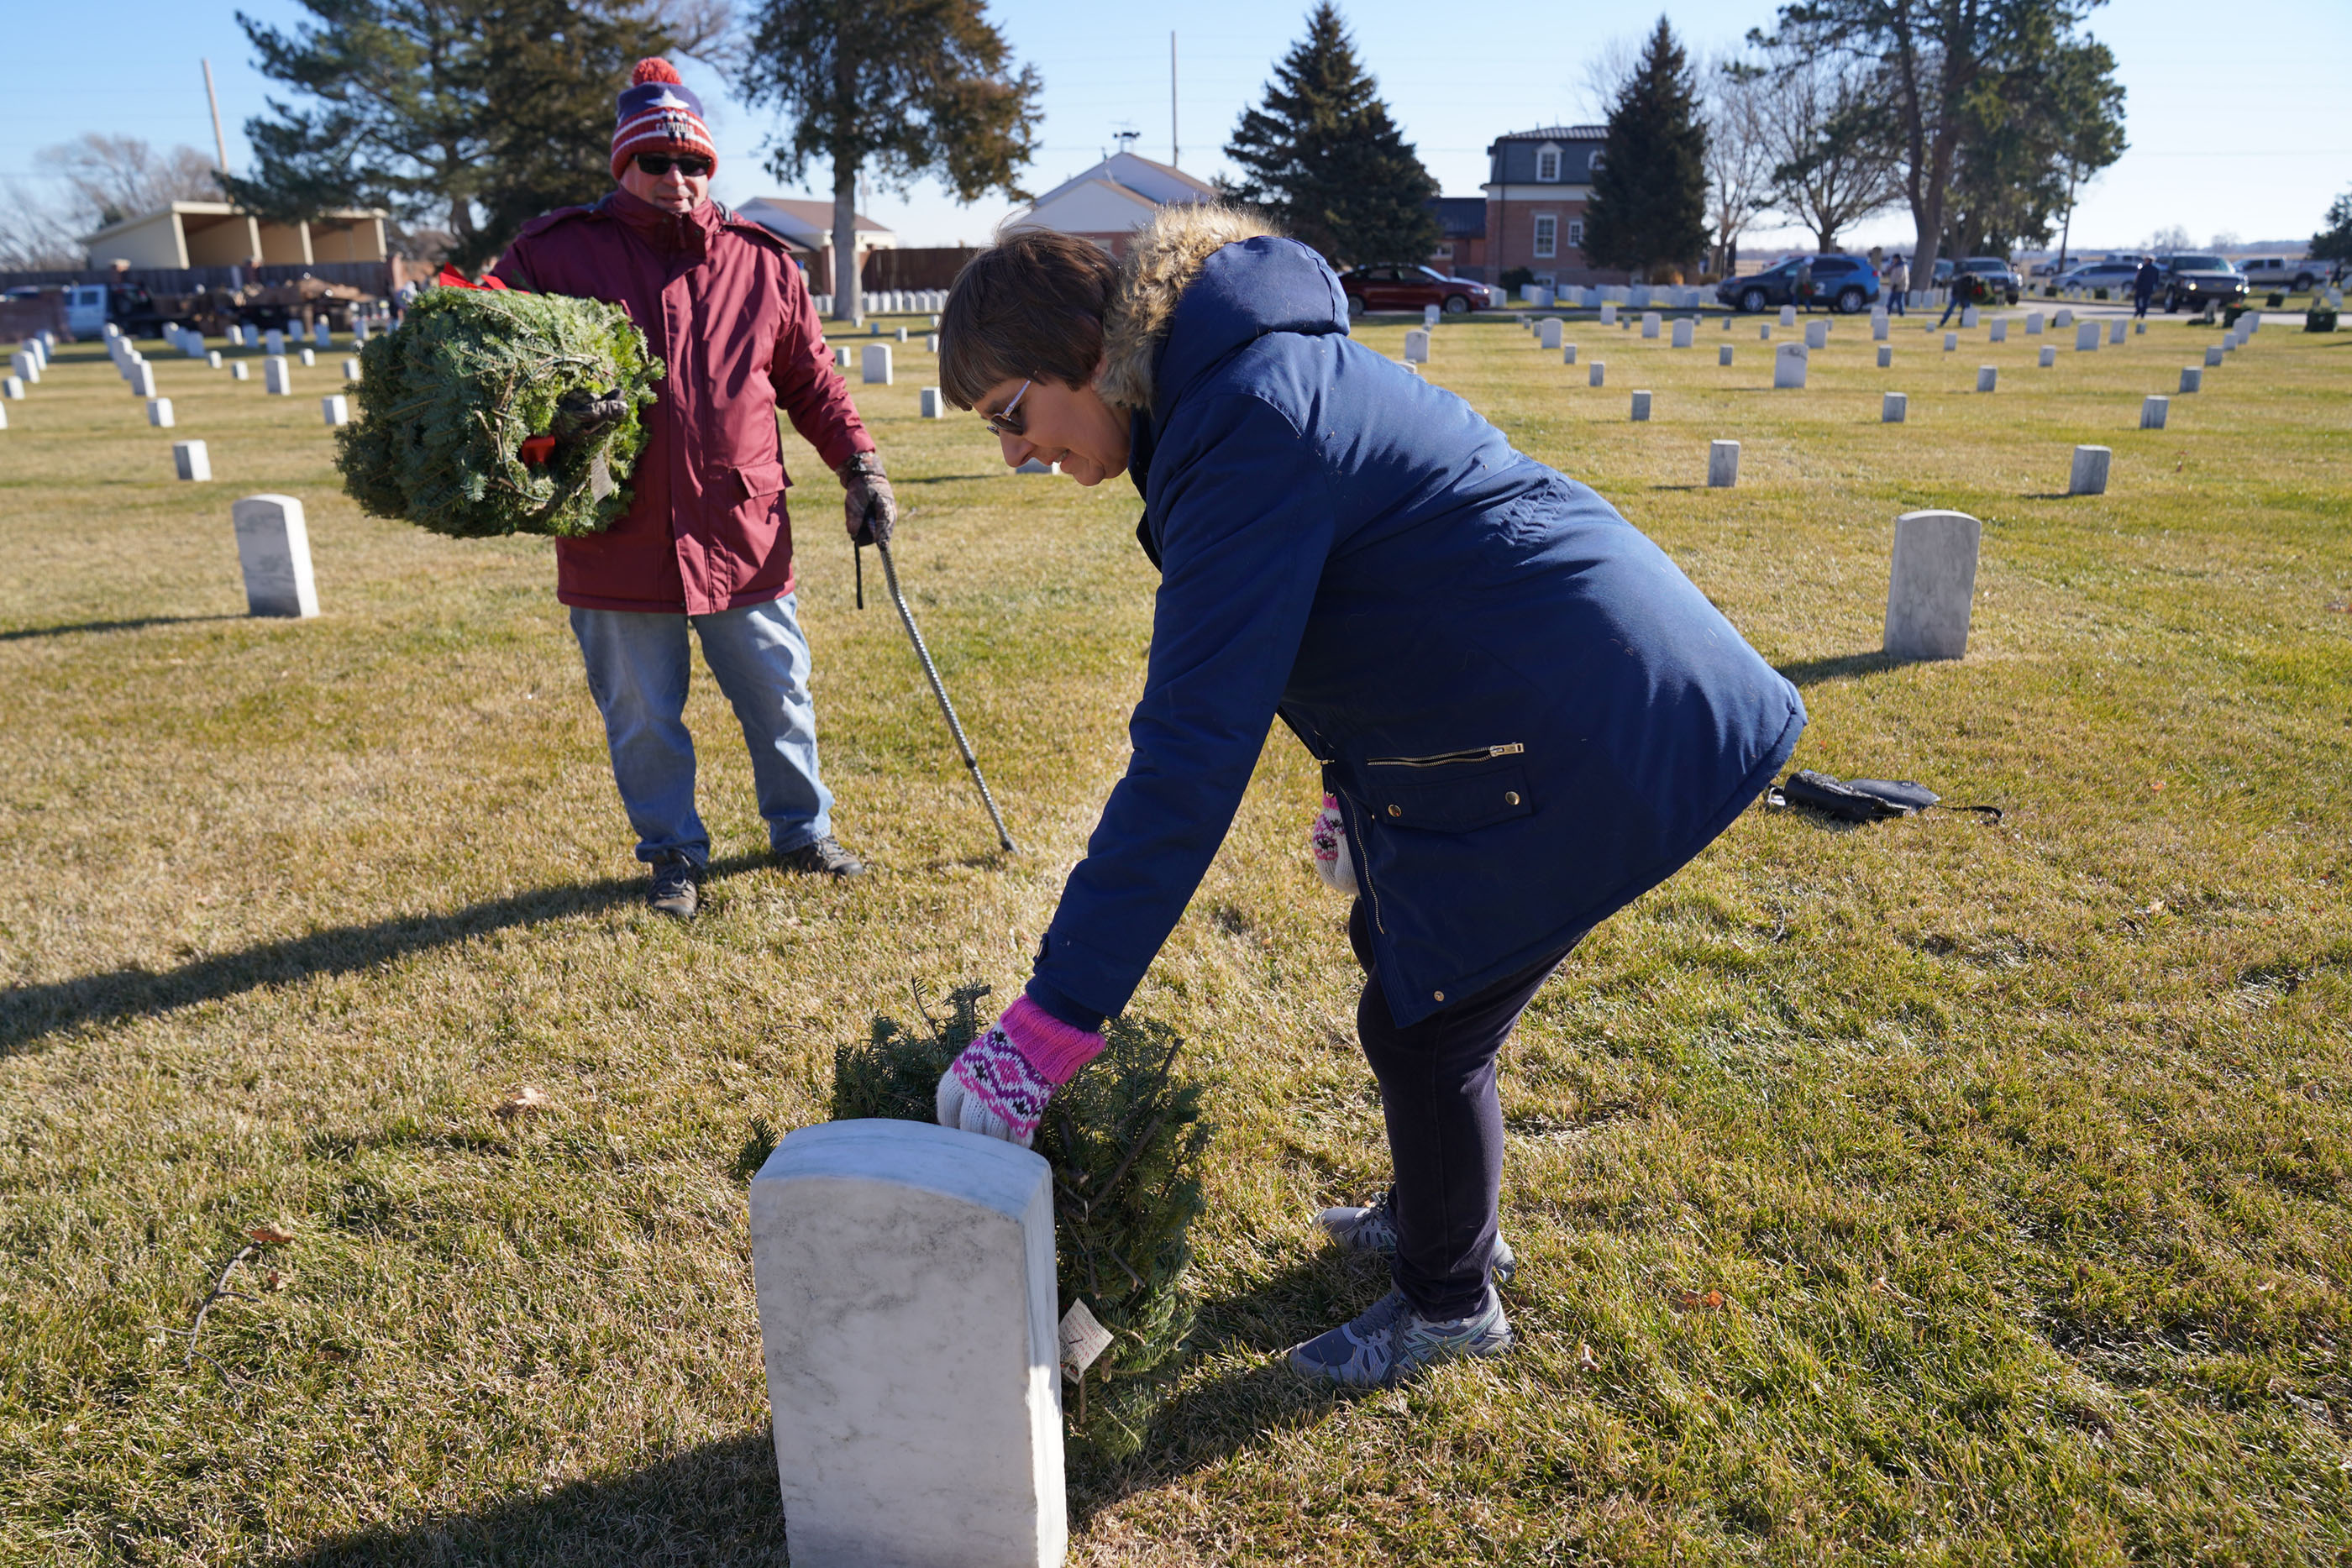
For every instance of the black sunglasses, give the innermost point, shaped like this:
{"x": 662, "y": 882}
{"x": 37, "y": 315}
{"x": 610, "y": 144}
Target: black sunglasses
{"x": 660, "y": 164}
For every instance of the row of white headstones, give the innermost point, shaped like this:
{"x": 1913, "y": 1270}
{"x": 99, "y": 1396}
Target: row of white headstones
{"x": 1791, "y": 362}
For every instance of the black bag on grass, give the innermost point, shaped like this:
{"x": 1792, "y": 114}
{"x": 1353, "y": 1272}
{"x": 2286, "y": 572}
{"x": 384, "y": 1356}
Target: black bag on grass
{"x": 1862, "y": 799}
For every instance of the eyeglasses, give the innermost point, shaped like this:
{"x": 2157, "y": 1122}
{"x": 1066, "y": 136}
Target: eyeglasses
{"x": 1002, "y": 421}
{"x": 660, "y": 164}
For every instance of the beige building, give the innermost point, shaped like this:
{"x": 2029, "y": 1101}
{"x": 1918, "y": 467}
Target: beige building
{"x": 215, "y": 234}
{"x": 1110, "y": 200}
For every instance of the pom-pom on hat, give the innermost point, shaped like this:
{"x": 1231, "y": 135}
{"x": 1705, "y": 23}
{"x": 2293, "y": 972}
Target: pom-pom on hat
{"x": 659, "y": 114}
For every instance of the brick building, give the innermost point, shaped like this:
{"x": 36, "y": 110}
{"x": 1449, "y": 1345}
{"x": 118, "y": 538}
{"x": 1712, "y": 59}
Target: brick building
{"x": 1539, "y": 182}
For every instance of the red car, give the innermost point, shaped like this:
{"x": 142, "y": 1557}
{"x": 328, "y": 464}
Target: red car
{"x": 1413, "y": 288}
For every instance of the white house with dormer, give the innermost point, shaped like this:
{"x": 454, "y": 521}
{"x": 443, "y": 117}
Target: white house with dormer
{"x": 1110, "y": 200}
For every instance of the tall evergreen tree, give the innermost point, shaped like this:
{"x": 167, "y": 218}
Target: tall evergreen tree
{"x": 1324, "y": 158}
{"x": 1649, "y": 196}
{"x": 476, "y": 113}
{"x": 902, "y": 88}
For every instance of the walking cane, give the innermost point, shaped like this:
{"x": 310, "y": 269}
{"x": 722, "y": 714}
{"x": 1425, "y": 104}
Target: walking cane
{"x": 947, "y": 708}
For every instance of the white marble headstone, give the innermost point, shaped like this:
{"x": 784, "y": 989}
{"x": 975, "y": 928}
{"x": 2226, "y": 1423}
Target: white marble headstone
{"x": 2049, "y": 356}
{"x": 2033, "y": 323}
{"x": 2192, "y": 379}
{"x": 1951, "y": 341}
{"x": 274, "y": 547}
{"x": 2062, "y": 319}
{"x": 1723, "y": 354}
{"x": 1763, "y": 331}
{"x": 319, "y": 336}
{"x": 1878, "y": 326}
{"x": 142, "y": 381}
{"x": 1969, "y": 317}
{"x": 1429, "y": 314}
{"x": 907, "y": 1320}
{"x": 2115, "y": 330}
{"x": 1987, "y": 376}
{"x": 1787, "y": 315}
{"x": 1641, "y": 406}
{"x": 1817, "y": 334}
{"x": 275, "y": 379}
{"x": 1649, "y": 323}
{"x": 1886, "y": 355}
{"x": 1931, "y": 585}
{"x": 874, "y": 368}
{"x": 2214, "y": 354}
{"x": 1598, "y": 375}
{"x": 158, "y": 412}
{"x": 1722, "y": 465}
{"x": 335, "y": 410}
{"x": 1416, "y": 346}
{"x": 1997, "y": 332}
{"x": 1608, "y": 313}
{"x": 1547, "y": 331}
{"x": 2089, "y": 476}
{"x": 2152, "y": 411}
{"x": 1894, "y": 408}
{"x": 933, "y": 406}
{"x": 13, "y": 388}
{"x": 190, "y": 461}
{"x": 240, "y": 370}
{"x": 1567, "y": 353}
{"x": 310, "y": 356}
{"x": 1789, "y": 366}
{"x": 274, "y": 340}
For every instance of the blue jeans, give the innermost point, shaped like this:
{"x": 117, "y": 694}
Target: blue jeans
{"x": 637, "y": 668}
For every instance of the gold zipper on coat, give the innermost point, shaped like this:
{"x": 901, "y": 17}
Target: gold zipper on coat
{"x": 1508, "y": 748}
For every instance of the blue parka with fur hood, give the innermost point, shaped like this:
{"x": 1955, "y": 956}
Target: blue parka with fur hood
{"x": 1528, "y": 713}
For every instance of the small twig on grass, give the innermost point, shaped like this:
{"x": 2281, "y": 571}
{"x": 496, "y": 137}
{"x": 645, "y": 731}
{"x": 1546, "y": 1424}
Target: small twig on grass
{"x": 265, "y": 1235}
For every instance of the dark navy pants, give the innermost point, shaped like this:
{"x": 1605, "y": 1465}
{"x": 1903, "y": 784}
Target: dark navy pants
{"x": 1445, "y": 1127}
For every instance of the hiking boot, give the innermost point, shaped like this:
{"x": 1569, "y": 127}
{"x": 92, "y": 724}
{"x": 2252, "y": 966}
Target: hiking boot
{"x": 825, "y": 857}
{"x": 677, "y": 888}
{"x": 1373, "y": 1230}
{"x": 1391, "y": 1342}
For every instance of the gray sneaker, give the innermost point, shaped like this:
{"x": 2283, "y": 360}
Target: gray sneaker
{"x": 1391, "y": 1342}
{"x": 825, "y": 857}
{"x": 677, "y": 888}
{"x": 1373, "y": 1230}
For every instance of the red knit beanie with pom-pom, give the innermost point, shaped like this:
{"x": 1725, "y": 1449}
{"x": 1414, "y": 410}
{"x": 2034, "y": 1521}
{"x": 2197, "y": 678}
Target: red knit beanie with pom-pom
{"x": 659, "y": 114}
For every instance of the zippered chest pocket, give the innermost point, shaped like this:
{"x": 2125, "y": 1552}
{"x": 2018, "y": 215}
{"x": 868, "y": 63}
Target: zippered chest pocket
{"x": 1452, "y": 792}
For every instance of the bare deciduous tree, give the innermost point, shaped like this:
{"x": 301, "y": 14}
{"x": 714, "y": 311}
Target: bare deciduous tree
{"x": 116, "y": 177}
{"x": 38, "y": 231}
{"x": 1739, "y": 151}
{"x": 1835, "y": 159}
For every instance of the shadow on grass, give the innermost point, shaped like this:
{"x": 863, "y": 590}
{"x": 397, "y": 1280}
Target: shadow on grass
{"x": 715, "y": 1506}
{"x": 23, "y": 632}
{"x": 1254, "y": 1395}
{"x": 1839, "y": 667}
{"x": 27, "y": 1013}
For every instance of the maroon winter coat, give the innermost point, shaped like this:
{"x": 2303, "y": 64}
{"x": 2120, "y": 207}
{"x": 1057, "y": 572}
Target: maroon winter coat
{"x": 724, "y": 308}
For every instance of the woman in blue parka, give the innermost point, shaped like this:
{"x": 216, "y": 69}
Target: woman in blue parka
{"x": 1526, "y": 714}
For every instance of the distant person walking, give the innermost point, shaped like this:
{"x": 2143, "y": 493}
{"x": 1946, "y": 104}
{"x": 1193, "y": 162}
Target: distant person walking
{"x": 1803, "y": 290}
{"x": 2144, "y": 284}
{"x": 1966, "y": 289}
{"x": 1898, "y": 284}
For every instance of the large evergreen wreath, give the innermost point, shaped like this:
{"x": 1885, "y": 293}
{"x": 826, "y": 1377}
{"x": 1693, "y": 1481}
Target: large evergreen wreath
{"x": 448, "y": 400}
{"x": 1125, "y": 1139}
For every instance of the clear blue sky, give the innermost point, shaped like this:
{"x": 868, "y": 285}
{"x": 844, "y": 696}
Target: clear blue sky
{"x": 2230, "y": 133}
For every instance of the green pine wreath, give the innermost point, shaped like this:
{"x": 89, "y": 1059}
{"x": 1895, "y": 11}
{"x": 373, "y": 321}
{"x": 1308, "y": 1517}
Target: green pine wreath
{"x": 448, "y": 398}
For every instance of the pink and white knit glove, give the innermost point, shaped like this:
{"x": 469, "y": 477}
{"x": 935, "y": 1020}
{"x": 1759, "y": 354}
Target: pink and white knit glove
{"x": 999, "y": 1084}
{"x": 1329, "y": 841}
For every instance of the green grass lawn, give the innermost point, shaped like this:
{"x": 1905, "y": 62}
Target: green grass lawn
{"x": 1929, "y": 1193}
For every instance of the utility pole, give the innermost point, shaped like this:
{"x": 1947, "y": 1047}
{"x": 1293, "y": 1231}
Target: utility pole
{"x": 220, "y": 142}
{"x": 1175, "y": 152}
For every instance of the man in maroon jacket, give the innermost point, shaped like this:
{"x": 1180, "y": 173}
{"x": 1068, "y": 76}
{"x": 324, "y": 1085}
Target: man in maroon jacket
{"x": 707, "y": 541}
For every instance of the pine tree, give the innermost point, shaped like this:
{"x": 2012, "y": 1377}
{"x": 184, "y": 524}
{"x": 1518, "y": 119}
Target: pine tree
{"x": 1125, "y": 1139}
{"x": 1324, "y": 158}
{"x": 901, "y": 88}
{"x": 1648, "y": 210}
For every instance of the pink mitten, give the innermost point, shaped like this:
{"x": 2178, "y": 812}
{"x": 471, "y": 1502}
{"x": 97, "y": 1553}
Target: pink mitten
{"x": 999, "y": 1084}
{"x": 1328, "y": 840}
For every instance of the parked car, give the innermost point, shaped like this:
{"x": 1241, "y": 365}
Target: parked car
{"x": 2197, "y": 281}
{"x": 1999, "y": 278}
{"x": 2297, "y": 273}
{"x": 1842, "y": 283}
{"x": 2113, "y": 276}
{"x": 1415, "y": 289}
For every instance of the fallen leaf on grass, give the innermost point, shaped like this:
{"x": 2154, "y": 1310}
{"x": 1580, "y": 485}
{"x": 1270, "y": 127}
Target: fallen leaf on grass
{"x": 1692, "y": 1300}
{"x": 270, "y": 1236}
{"x": 1584, "y": 1357}
{"x": 524, "y": 1101}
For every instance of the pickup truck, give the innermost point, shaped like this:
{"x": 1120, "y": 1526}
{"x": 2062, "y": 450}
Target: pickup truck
{"x": 2281, "y": 272}
{"x": 2196, "y": 282}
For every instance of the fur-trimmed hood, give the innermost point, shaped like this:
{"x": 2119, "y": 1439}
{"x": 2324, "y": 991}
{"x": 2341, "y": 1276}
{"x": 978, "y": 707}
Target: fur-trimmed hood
{"x": 1178, "y": 273}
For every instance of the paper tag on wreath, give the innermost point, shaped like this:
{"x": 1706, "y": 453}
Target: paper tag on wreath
{"x": 600, "y": 478}
{"x": 1083, "y": 1340}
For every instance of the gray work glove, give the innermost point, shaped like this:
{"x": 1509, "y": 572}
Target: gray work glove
{"x": 870, "y": 509}
{"x": 583, "y": 415}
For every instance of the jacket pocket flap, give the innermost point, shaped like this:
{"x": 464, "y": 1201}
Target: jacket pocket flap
{"x": 758, "y": 479}
{"x": 1455, "y": 804}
